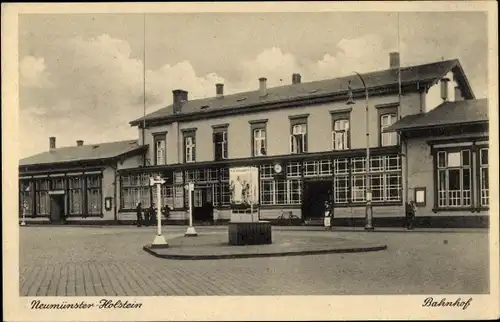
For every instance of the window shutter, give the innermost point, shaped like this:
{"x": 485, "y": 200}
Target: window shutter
{"x": 334, "y": 146}
{"x": 292, "y": 145}
{"x": 305, "y": 142}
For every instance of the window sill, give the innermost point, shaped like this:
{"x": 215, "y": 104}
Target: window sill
{"x": 373, "y": 204}
{"x": 85, "y": 215}
{"x": 453, "y": 209}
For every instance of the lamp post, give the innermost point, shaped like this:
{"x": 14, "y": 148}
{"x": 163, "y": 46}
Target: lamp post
{"x": 159, "y": 240}
{"x": 190, "y": 232}
{"x": 368, "y": 208}
{"x": 25, "y": 206}
{"x": 23, "y": 221}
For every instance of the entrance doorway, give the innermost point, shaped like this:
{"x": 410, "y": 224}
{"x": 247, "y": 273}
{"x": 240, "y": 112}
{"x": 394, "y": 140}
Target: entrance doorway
{"x": 203, "y": 210}
{"x": 57, "y": 208}
{"x": 315, "y": 193}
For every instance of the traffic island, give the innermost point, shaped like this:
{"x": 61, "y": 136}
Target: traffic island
{"x": 215, "y": 245}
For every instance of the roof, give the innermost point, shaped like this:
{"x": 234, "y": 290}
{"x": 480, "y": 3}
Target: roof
{"x": 97, "y": 151}
{"x": 448, "y": 113}
{"x": 379, "y": 79}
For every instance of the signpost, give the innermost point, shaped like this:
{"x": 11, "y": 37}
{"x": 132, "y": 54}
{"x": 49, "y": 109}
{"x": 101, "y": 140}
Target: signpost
{"x": 190, "y": 232}
{"x": 159, "y": 241}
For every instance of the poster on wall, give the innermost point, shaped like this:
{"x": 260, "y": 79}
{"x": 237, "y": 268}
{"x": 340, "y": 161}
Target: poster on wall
{"x": 244, "y": 184}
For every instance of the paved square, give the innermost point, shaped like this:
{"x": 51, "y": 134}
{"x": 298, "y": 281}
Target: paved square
{"x": 93, "y": 261}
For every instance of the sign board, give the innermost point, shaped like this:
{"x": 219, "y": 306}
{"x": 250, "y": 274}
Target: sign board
{"x": 156, "y": 180}
{"x": 244, "y": 185}
{"x": 56, "y": 192}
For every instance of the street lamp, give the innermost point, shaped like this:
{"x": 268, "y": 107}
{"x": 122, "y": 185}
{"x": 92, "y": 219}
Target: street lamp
{"x": 368, "y": 209}
{"x": 159, "y": 240}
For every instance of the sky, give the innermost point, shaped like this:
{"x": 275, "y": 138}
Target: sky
{"x": 81, "y": 75}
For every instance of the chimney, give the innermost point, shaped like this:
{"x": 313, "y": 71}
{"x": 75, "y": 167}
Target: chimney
{"x": 296, "y": 78}
{"x": 79, "y": 143}
{"x": 219, "y": 90}
{"x": 394, "y": 60}
{"x": 458, "y": 94}
{"x": 262, "y": 86}
{"x": 52, "y": 142}
{"x": 180, "y": 97}
{"x": 444, "y": 89}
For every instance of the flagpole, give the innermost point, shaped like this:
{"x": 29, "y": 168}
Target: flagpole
{"x": 404, "y": 148}
{"x": 144, "y": 88}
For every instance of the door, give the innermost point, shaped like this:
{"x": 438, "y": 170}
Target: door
{"x": 202, "y": 204}
{"x": 56, "y": 208}
{"x": 315, "y": 194}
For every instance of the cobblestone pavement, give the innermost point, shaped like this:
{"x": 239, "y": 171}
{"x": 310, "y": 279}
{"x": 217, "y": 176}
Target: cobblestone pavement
{"x": 69, "y": 261}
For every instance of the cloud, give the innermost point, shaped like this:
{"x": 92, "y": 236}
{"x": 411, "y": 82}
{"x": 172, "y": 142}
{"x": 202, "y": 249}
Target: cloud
{"x": 97, "y": 85}
{"x": 32, "y": 72}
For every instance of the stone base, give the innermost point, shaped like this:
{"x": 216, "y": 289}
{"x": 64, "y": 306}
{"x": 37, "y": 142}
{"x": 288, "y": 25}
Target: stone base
{"x": 191, "y": 232}
{"x": 250, "y": 233}
{"x": 244, "y": 217}
{"x": 159, "y": 242}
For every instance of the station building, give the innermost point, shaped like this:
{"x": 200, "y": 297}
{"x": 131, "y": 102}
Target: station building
{"x": 76, "y": 183}
{"x": 427, "y": 134}
{"x": 307, "y": 129}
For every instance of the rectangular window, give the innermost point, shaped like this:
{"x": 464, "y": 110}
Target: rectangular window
{"x": 298, "y": 133}
{"x": 94, "y": 195}
{"x": 189, "y": 145}
{"x": 26, "y": 190}
{"x": 387, "y": 116}
{"x": 259, "y": 137}
{"x": 340, "y": 135}
{"x": 293, "y": 170}
{"x": 42, "y": 197}
{"x": 220, "y": 140}
{"x": 259, "y": 142}
{"x": 484, "y": 180}
{"x": 298, "y": 139}
{"x": 341, "y": 189}
{"x": 76, "y": 195}
{"x": 358, "y": 164}
{"x": 454, "y": 178}
{"x": 358, "y": 188}
{"x": 57, "y": 184}
{"x": 135, "y": 189}
{"x": 388, "y": 138}
{"x": 280, "y": 192}
{"x": 385, "y": 178}
{"x": 160, "y": 149}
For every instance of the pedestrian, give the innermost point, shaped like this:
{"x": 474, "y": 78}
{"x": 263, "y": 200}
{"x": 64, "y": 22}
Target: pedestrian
{"x": 152, "y": 214}
{"x": 139, "y": 214}
{"x": 409, "y": 214}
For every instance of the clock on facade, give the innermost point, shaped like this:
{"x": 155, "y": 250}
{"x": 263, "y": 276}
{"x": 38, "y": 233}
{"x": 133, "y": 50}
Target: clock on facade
{"x": 278, "y": 168}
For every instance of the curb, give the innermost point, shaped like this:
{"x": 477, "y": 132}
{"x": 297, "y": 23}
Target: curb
{"x": 292, "y": 228}
{"x": 256, "y": 255}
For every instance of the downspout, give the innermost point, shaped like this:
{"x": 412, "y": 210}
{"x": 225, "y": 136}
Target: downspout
{"x": 115, "y": 211}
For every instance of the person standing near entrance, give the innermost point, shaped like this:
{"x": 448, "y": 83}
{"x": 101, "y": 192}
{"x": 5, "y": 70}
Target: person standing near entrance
{"x": 410, "y": 214}
{"x": 139, "y": 214}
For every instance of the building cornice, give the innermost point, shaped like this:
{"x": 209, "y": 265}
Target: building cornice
{"x": 283, "y": 104}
